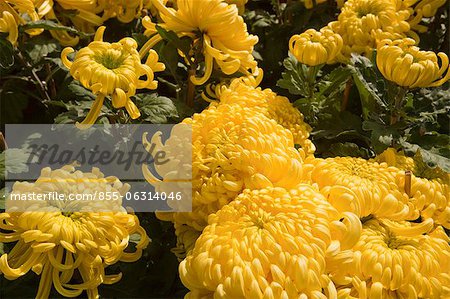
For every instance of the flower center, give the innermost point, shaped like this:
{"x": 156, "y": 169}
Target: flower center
{"x": 367, "y": 9}
{"x": 361, "y": 171}
{"x": 261, "y": 219}
{"x": 111, "y": 60}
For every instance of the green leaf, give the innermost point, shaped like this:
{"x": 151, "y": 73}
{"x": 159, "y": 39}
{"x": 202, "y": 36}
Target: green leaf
{"x": 77, "y": 111}
{"x": 434, "y": 157}
{"x": 48, "y": 25}
{"x": 333, "y": 81}
{"x": 13, "y": 103}
{"x": 3, "y": 193}
{"x": 370, "y": 86}
{"x": 169, "y": 56}
{"x": 6, "y": 54}
{"x": 183, "y": 44}
{"x": 156, "y": 109}
{"x": 79, "y": 91}
{"x": 293, "y": 78}
{"x": 39, "y": 47}
{"x": 16, "y": 160}
{"x": 381, "y": 136}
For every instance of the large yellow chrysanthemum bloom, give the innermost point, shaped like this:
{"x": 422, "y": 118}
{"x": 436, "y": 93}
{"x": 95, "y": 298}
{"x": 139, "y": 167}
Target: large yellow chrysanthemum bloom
{"x": 233, "y": 148}
{"x": 269, "y": 243}
{"x": 316, "y": 47}
{"x": 216, "y": 29}
{"x": 112, "y": 70}
{"x": 403, "y": 63}
{"x": 59, "y": 245}
{"x": 244, "y": 92}
{"x": 8, "y": 25}
{"x": 362, "y": 22}
{"x": 398, "y": 260}
{"x": 363, "y": 187}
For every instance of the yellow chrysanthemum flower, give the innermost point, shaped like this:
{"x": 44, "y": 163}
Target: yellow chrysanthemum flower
{"x": 362, "y": 23}
{"x": 397, "y": 159}
{"x": 431, "y": 198}
{"x": 233, "y": 148}
{"x": 86, "y": 17}
{"x": 269, "y": 243}
{"x": 239, "y": 3}
{"x": 421, "y": 9}
{"x": 125, "y": 10}
{"x": 389, "y": 264}
{"x": 60, "y": 245}
{"x": 363, "y": 187}
{"x": 216, "y": 29}
{"x": 428, "y": 188}
{"x": 414, "y": 164}
{"x": 8, "y": 25}
{"x": 316, "y": 47}
{"x": 403, "y": 63}
{"x": 244, "y": 92}
{"x": 29, "y": 10}
{"x": 112, "y": 70}
{"x": 24, "y": 10}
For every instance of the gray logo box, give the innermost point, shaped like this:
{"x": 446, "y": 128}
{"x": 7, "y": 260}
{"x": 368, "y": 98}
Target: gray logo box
{"x": 59, "y": 167}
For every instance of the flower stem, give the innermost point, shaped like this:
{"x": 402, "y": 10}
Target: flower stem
{"x": 399, "y": 100}
{"x": 190, "y": 89}
{"x": 38, "y": 82}
{"x": 346, "y": 96}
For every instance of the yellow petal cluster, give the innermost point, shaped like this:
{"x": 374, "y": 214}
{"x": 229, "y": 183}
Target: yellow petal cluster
{"x": 60, "y": 245}
{"x": 8, "y": 25}
{"x": 363, "y": 187}
{"x": 362, "y": 23}
{"x": 243, "y": 91}
{"x": 420, "y": 10}
{"x": 406, "y": 65}
{"x": 239, "y": 3}
{"x": 234, "y": 148}
{"x": 397, "y": 260}
{"x": 429, "y": 188}
{"x": 125, "y": 10}
{"x": 86, "y": 18}
{"x": 29, "y": 10}
{"x": 316, "y": 47}
{"x": 269, "y": 243}
{"x": 88, "y": 14}
{"x": 397, "y": 159}
{"x": 112, "y": 69}
{"x": 216, "y": 29}
{"x": 310, "y": 3}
